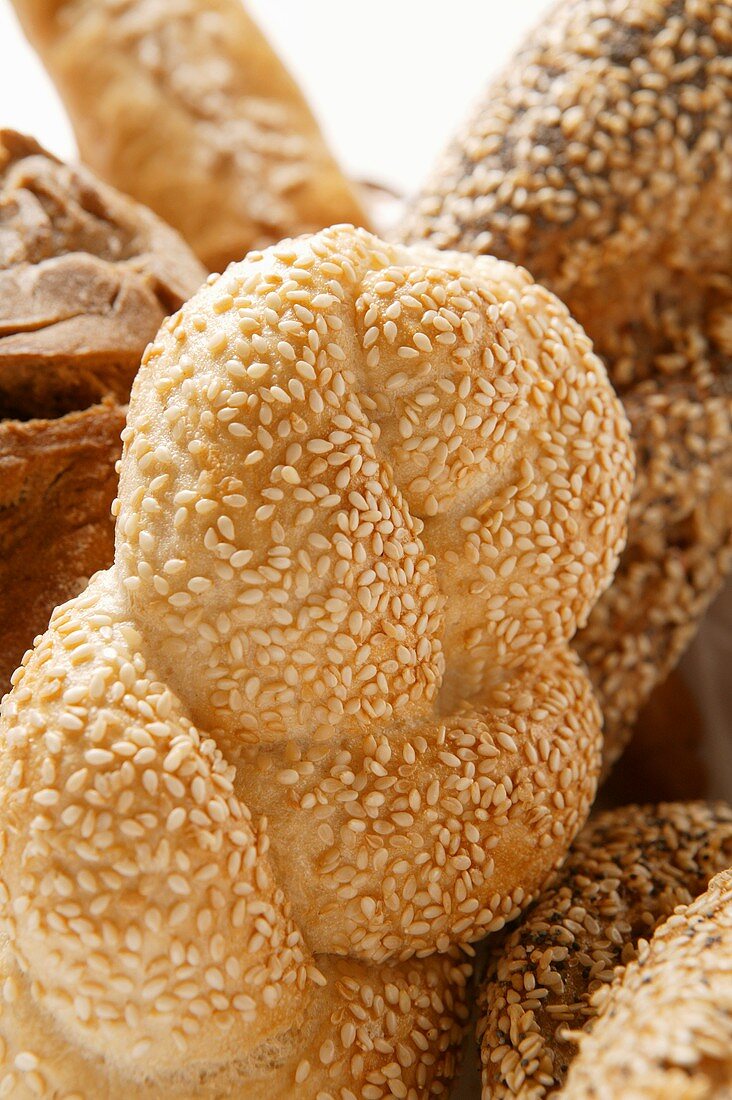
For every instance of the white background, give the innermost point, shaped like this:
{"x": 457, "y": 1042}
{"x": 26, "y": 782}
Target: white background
{"x": 389, "y": 80}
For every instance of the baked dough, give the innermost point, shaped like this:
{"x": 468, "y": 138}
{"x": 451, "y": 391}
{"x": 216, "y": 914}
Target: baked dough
{"x": 86, "y": 277}
{"x": 600, "y": 159}
{"x": 664, "y": 1027}
{"x": 57, "y": 484}
{"x": 323, "y": 706}
{"x": 184, "y": 105}
{"x": 627, "y": 871}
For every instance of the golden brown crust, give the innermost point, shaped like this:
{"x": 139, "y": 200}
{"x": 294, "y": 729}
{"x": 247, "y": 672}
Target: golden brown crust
{"x": 184, "y": 105}
{"x": 323, "y": 704}
{"x": 600, "y": 160}
{"x": 627, "y": 871}
{"x": 538, "y": 735}
{"x": 86, "y": 277}
{"x": 57, "y": 484}
{"x": 664, "y": 1026}
{"x": 386, "y": 1031}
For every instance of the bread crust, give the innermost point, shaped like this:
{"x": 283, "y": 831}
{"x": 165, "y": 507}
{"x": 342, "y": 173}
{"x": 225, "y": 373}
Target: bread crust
{"x": 600, "y": 160}
{"x": 184, "y": 105}
{"x": 288, "y": 726}
{"x": 649, "y": 1042}
{"x": 86, "y": 277}
{"x": 626, "y": 873}
{"x": 57, "y": 484}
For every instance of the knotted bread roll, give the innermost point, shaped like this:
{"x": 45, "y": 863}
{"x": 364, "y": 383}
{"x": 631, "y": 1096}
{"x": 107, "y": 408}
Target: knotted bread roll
{"x": 600, "y": 159}
{"x": 321, "y": 718}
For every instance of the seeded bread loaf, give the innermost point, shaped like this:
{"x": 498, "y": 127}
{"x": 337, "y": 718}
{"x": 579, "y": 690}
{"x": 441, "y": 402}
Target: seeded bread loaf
{"x": 184, "y": 105}
{"x": 321, "y": 720}
{"x": 600, "y": 159}
{"x": 664, "y": 1027}
{"x": 86, "y": 277}
{"x": 626, "y": 873}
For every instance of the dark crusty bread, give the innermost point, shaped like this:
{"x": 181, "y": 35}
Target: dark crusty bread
{"x": 86, "y": 277}
{"x": 57, "y": 483}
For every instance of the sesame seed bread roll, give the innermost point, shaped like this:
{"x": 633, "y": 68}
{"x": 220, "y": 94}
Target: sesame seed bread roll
{"x": 184, "y": 105}
{"x": 626, "y": 873}
{"x": 288, "y": 735}
{"x": 600, "y": 159}
{"x": 476, "y": 807}
{"x": 664, "y": 1027}
{"x": 86, "y": 277}
{"x": 370, "y": 1032}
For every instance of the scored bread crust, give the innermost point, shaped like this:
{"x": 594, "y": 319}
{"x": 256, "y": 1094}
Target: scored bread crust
{"x": 625, "y": 874}
{"x": 323, "y": 705}
{"x": 86, "y": 277}
{"x": 184, "y": 105}
{"x": 664, "y": 1026}
{"x": 600, "y": 159}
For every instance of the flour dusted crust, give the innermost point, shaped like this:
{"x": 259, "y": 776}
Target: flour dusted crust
{"x": 86, "y": 277}
{"x": 321, "y": 718}
{"x": 600, "y": 159}
{"x": 184, "y": 105}
{"x": 625, "y": 874}
{"x": 664, "y": 1027}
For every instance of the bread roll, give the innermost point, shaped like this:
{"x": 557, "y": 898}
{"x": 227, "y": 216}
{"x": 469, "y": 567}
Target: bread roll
{"x": 627, "y": 871}
{"x": 86, "y": 277}
{"x": 184, "y": 105}
{"x": 321, "y": 717}
{"x": 600, "y": 159}
{"x": 664, "y": 1027}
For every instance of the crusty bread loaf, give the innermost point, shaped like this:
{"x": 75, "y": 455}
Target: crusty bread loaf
{"x": 626, "y": 873}
{"x": 321, "y": 718}
{"x": 86, "y": 277}
{"x": 184, "y": 105}
{"x": 365, "y": 1032}
{"x": 600, "y": 159}
{"x": 57, "y": 484}
{"x": 664, "y": 1027}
